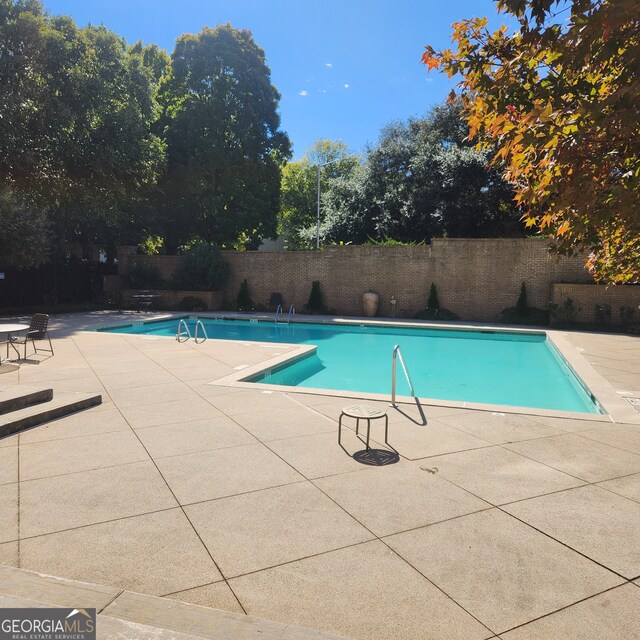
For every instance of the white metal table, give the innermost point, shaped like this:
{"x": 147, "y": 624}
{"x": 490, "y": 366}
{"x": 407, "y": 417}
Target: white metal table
{"x": 9, "y": 329}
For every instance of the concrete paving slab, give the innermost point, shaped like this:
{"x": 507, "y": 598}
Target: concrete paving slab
{"x": 234, "y": 404}
{"x": 217, "y": 595}
{"x": 83, "y": 423}
{"x": 79, "y": 499}
{"x": 9, "y": 554}
{"x": 150, "y": 375}
{"x": 366, "y": 592}
{"x": 110, "y": 628}
{"x": 153, "y": 394}
{"x": 629, "y": 486}
{"x": 613, "y": 615}
{"x": 56, "y": 457}
{"x": 499, "y": 428}
{"x": 261, "y": 529}
{"x": 498, "y": 475}
{"x": 155, "y": 553}
{"x": 435, "y": 438}
{"x": 285, "y": 423}
{"x": 18, "y": 583}
{"x": 399, "y": 497}
{"x": 8, "y": 465}
{"x": 579, "y": 457}
{"x": 191, "y": 437}
{"x": 621, "y": 436}
{"x": 597, "y": 523}
{"x": 187, "y": 618}
{"x": 209, "y": 371}
{"x": 197, "y": 477}
{"x": 9, "y": 512}
{"x": 171, "y": 412}
{"x": 320, "y": 455}
{"x": 501, "y": 570}
{"x": 9, "y": 441}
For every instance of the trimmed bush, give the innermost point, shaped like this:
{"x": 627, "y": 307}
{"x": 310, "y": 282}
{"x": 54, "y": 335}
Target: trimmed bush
{"x": 244, "y": 302}
{"x": 201, "y": 268}
{"x": 522, "y": 313}
{"x": 434, "y": 311}
{"x": 315, "y": 304}
{"x": 192, "y": 303}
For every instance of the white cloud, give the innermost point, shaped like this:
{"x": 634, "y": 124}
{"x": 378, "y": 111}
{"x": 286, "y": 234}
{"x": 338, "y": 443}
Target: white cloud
{"x": 346, "y": 86}
{"x": 328, "y": 65}
{"x": 303, "y": 93}
{"x": 322, "y": 91}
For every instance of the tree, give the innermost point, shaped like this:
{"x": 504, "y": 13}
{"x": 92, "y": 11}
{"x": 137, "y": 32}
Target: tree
{"x": 75, "y": 139}
{"x": 25, "y": 237}
{"x": 559, "y": 100}
{"x": 225, "y": 148}
{"x": 422, "y": 180}
{"x": 299, "y": 191}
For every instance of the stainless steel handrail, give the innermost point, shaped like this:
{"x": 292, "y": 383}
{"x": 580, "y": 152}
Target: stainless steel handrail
{"x": 396, "y": 353}
{"x": 204, "y": 331}
{"x": 292, "y": 312}
{"x": 278, "y": 310}
{"x": 183, "y": 337}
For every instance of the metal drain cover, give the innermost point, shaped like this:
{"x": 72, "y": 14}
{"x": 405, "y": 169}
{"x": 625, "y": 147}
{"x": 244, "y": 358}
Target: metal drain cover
{"x": 634, "y": 401}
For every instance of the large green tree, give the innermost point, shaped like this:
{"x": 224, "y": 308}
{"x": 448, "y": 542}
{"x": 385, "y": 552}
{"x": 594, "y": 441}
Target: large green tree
{"x": 559, "y": 101}
{"x": 75, "y": 117}
{"x": 421, "y": 180}
{"x": 225, "y": 147}
{"x": 299, "y": 194}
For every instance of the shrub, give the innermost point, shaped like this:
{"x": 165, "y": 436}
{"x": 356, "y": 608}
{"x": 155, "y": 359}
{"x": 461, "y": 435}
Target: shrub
{"x": 144, "y": 276}
{"x": 192, "y": 303}
{"x": 433, "y": 302}
{"x": 436, "y": 314}
{"x": 522, "y": 313}
{"x": 564, "y": 314}
{"x": 244, "y": 302}
{"x": 315, "y": 304}
{"x": 201, "y": 268}
{"x": 602, "y": 313}
{"x": 434, "y": 311}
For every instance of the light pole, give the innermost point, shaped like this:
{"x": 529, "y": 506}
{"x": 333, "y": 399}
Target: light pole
{"x": 319, "y": 167}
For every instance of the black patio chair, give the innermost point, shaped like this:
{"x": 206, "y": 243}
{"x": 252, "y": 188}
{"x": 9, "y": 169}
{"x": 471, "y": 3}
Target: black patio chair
{"x": 37, "y": 331}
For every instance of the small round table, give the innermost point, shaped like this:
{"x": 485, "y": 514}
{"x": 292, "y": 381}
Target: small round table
{"x": 10, "y": 328}
{"x": 364, "y": 412}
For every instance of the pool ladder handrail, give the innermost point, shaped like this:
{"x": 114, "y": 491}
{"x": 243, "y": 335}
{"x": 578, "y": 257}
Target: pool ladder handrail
{"x": 280, "y": 313}
{"x": 180, "y": 335}
{"x": 397, "y": 352}
{"x": 199, "y": 325}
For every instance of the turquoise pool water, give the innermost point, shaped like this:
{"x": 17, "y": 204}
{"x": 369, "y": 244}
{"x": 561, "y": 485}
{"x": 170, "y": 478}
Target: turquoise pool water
{"x": 508, "y": 368}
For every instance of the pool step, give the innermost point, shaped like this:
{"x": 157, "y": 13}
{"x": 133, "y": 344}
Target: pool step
{"x": 16, "y": 397}
{"x": 36, "y": 412}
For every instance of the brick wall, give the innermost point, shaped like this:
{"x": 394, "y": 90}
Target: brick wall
{"x": 585, "y": 297}
{"x": 476, "y": 278}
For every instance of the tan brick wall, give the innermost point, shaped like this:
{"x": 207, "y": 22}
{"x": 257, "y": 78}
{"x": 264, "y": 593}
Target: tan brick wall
{"x": 476, "y": 278}
{"x": 585, "y": 297}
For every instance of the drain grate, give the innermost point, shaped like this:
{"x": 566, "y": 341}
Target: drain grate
{"x": 634, "y": 401}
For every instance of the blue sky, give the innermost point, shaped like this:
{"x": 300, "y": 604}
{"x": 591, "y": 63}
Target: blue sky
{"x": 344, "y": 68}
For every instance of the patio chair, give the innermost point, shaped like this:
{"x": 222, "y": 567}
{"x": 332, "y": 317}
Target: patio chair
{"x": 37, "y": 331}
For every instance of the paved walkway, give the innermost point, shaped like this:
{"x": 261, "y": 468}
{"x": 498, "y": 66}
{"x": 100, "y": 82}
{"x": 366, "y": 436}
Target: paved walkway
{"x": 490, "y": 525}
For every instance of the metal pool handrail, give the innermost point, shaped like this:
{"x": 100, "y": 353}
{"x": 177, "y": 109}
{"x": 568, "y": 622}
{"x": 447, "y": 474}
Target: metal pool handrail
{"x": 278, "y": 311}
{"x": 292, "y": 312}
{"x": 199, "y": 325}
{"x": 396, "y": 353}
{"x": 180, "y": 336}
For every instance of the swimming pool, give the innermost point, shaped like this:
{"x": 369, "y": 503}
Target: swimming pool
{"x": 512, "y": 368}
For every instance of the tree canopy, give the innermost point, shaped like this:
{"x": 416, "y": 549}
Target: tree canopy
{"x": 559, "y": 101}
{"x": 299, "y": 192}
{"x": 421, "y": 180}
{"x": 225, "y": 147}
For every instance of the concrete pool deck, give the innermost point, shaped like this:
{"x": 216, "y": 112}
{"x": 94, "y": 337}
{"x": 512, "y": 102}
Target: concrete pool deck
{"x": 492, "y": 524}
